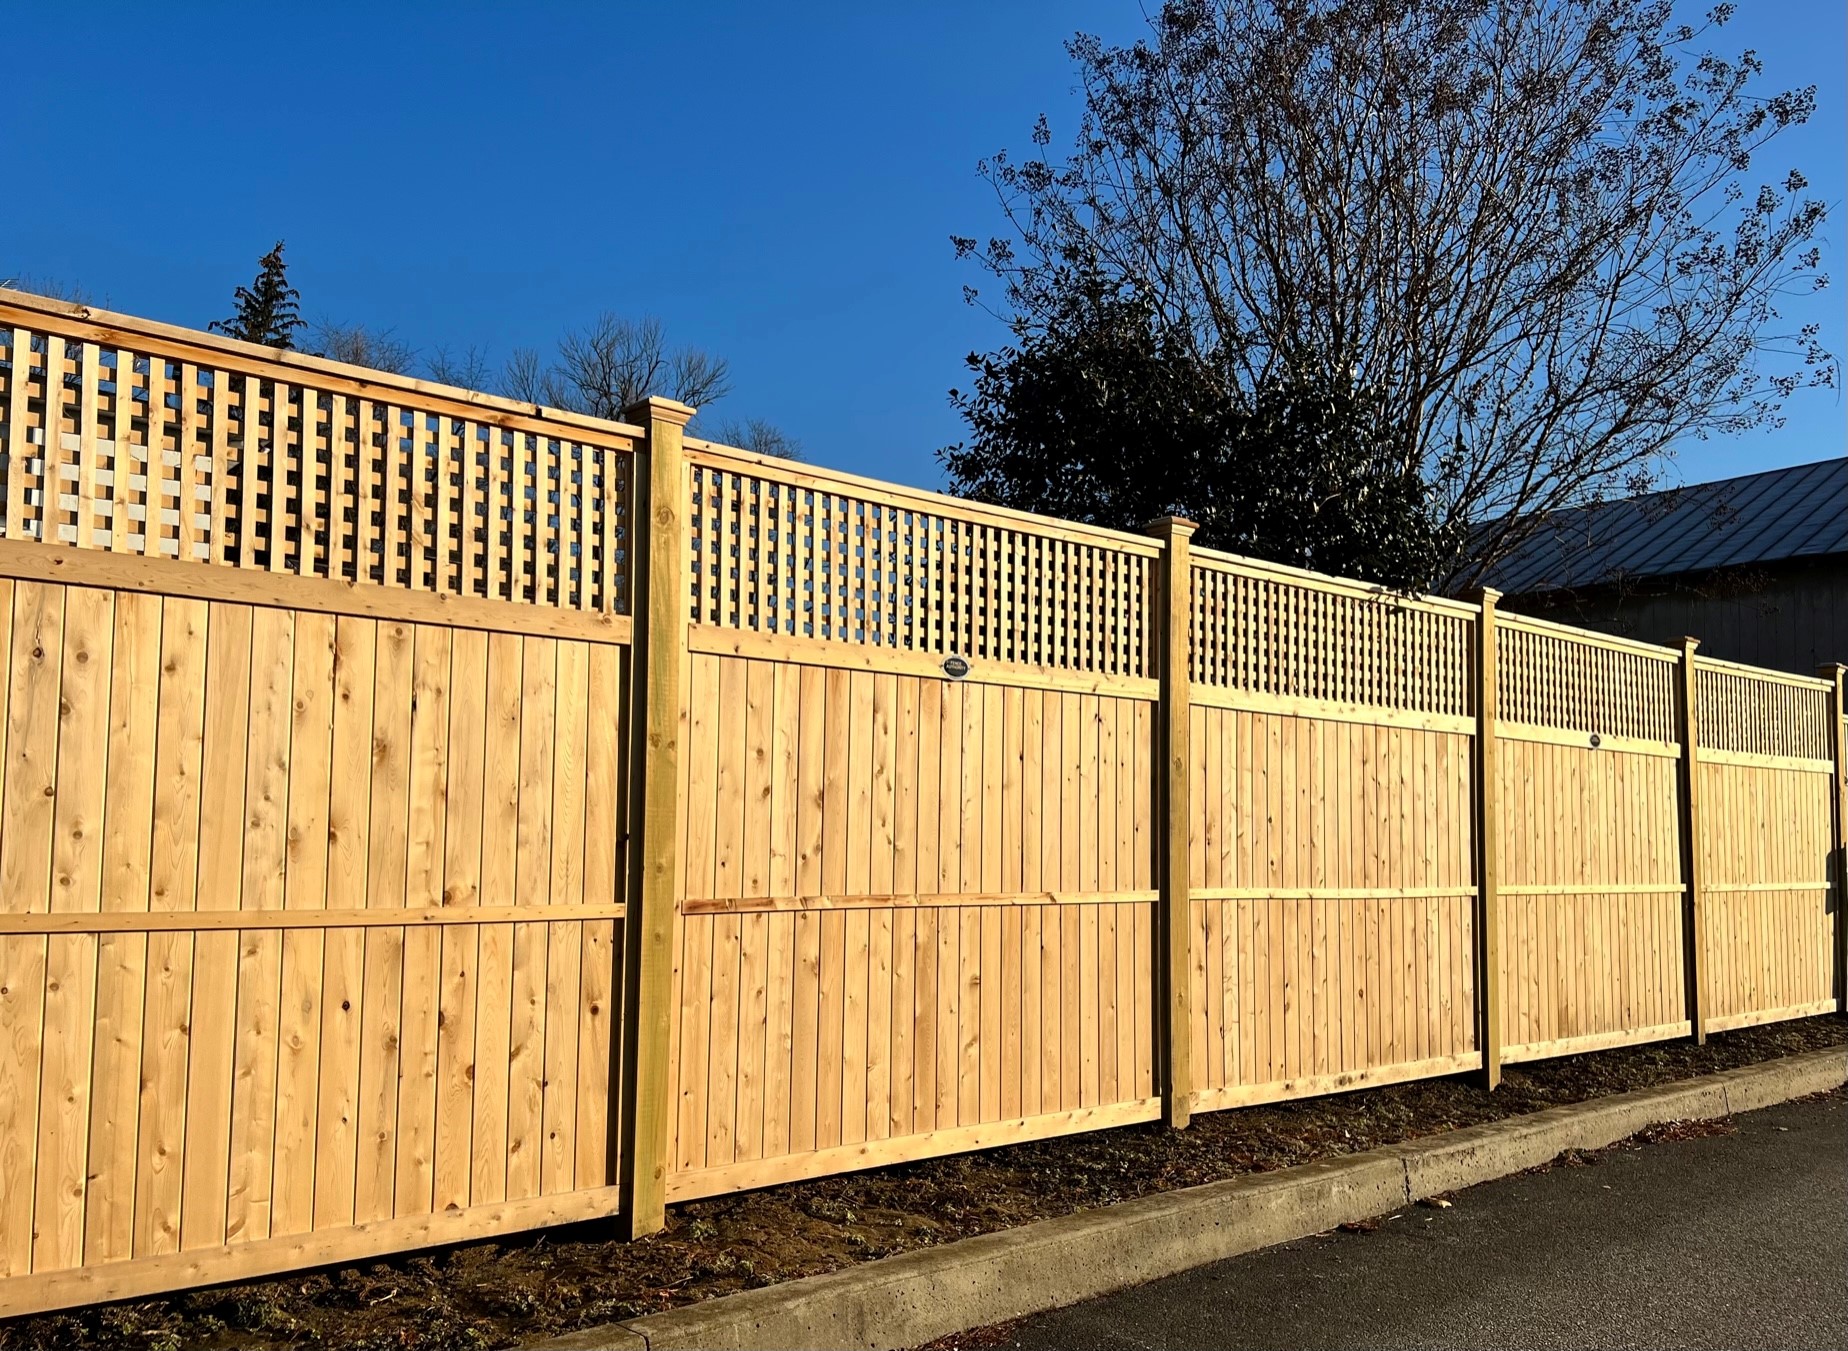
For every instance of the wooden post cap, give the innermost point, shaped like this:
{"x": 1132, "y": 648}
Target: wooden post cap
{"x": 1170, "y": 525}
{"x": 654, "y": 408}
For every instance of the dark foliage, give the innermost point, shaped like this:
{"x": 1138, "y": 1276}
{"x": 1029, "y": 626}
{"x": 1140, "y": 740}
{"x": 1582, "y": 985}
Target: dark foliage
{"x": 269, "y": 309}
{"x": 1533, "y": 230}
{"x": 1102, "y": 416}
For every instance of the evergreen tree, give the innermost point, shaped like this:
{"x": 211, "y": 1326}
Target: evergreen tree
{"x": 268, "y": 310}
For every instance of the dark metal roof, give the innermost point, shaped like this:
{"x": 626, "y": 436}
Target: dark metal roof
{"x": 1800, "y": 512}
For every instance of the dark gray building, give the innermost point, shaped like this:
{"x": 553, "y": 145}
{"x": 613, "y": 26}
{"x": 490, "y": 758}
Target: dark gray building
{"x": 1755, "y": 567}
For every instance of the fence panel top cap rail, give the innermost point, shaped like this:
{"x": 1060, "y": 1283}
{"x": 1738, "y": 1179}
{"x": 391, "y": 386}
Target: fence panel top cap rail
{"x": 108, "y": 328}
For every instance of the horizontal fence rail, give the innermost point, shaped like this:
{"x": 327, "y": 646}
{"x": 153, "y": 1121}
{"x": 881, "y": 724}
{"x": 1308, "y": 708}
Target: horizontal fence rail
{"x": 425, "y": 816}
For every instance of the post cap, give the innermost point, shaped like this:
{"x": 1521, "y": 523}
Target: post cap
{"x": 1487, "y": 595}
{"x": 654, "y": 408}
{"x": 1830, "y": 670}
{"x": 1171, "y": 525}
{"x": 1688, "y": 644}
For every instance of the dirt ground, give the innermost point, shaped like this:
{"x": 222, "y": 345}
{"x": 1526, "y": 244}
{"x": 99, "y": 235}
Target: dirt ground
{"x": 492, "y": 1294}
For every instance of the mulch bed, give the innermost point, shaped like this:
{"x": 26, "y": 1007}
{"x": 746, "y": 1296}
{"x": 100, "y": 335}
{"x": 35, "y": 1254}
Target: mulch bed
{"x": 492, "y": 1294}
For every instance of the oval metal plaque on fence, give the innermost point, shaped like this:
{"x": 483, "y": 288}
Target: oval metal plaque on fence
{"x": 955, "y": 667}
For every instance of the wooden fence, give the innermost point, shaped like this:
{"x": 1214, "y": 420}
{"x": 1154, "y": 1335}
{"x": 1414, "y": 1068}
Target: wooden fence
{"x": 425, "y": 816}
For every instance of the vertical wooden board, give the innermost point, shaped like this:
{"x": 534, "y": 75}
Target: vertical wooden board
{"x": 858, "y": 800}
{"x": 752, "y": 1034}
{"x": 1087, "y": 786}
{"x": 971, "y": 846}
{"x": 729, "y": 783}
{"x": 837, "y": 816}
{"x": 855, "y": 981}
{"x": 930, "y": 786}
{"x": 1070, "y": 986}
{"x": 305, "y": 887}
{"x": 993, "y": 755}
{"x": 949, "y": 802}
{"x": 908, "y": 693}
{"x": 1072, "y": 842}
{"x": 1029, "y": 741}
{"x": 988, "y": 989}
{"x": 1013, "y": 806}
{"x": 784, "y": 777}
{"x": 901, "y": 1104}
{"x": 811, "y": 783}
{"x": 877, "y": 1092}
{"x": 459, "y": 945}
{"x": 1031, "y": 1004}
{"x": 564, "y": 966}
{"x": 1011, "y": 997}
{"x": 1051, "y": 750}
{"x": 422, "y": 987}
{"x": 64, "y": 1089}
{"x": 172, "y": 877}
{"x": 756, "y": 745}
{"x": 121, "y": 958}
{"x": 531, "y": 942}
{"x": 388, "y": 816}
{"x": 494, "y": 1005}
{"x": 830, "y": 1052}
{"x": 337, "y": 1095}
{"x": 696, "y": 964}
{"x": 71, "y": 972}
{"x": 1051, "y": 1005}
{"x": 597, "y": 1051}
{"x": 701, "y": 770}
{"x": 948, "y": 994}
{"x": 1106, "y": 979}
{"x": 926, "y": 1030}
{"x": 882, "y": 731}
{"x": 564, "y": 999}
{"x": 779, "y": 1031}
{"x": 968, "y": 975}
{"x": 1280, "y": 938}
{"x": 805, "y": 1032}
{"x": 212, "y": 1017}
{"x": 1088, "y": 973}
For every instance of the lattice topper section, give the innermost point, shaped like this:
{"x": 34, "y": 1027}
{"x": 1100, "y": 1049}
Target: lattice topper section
{"x": 1547, "y": 677}
{"x": 1740, "y": 710}
{"x": 801, "y": 557}
{"x": 143, "y": 451}
{"x": 1276, "y": 635}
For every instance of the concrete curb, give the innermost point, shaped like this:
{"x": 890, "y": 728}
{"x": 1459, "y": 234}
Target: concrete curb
{"x": 916, "y": 1297}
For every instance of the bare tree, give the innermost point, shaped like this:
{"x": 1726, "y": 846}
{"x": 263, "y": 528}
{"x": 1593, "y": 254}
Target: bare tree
{"x": 1525, "y": 222}
{"x": 466, "y": 366}
{"x": 50, "y": 287}
{"x": 606, "y": 366}
{"x": 523, "y": 377}
{"x": 612, "y": 363}
{"x": 759, "y": 437}
{"x": 357, "y": 345}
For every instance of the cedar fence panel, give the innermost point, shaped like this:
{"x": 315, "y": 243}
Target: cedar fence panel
{"x": 426, "y": 816}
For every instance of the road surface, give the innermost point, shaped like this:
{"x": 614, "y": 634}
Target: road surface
{"x": 1734, "y": 1240}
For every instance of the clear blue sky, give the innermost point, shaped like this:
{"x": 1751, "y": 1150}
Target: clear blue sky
{"x": 777, "y": 183}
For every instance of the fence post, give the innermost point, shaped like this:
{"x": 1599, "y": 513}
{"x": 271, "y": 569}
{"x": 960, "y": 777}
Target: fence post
{"x": 1488, "y": 848}
{"x": 658, "y": 607}
{"x": 1693, "y": 926}
{"x": 1837, "y": 675}
{"x": 1173, "y": 909}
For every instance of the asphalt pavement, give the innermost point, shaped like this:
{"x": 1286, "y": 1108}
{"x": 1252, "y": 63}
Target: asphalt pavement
{"x": 1730, "y": 1240}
